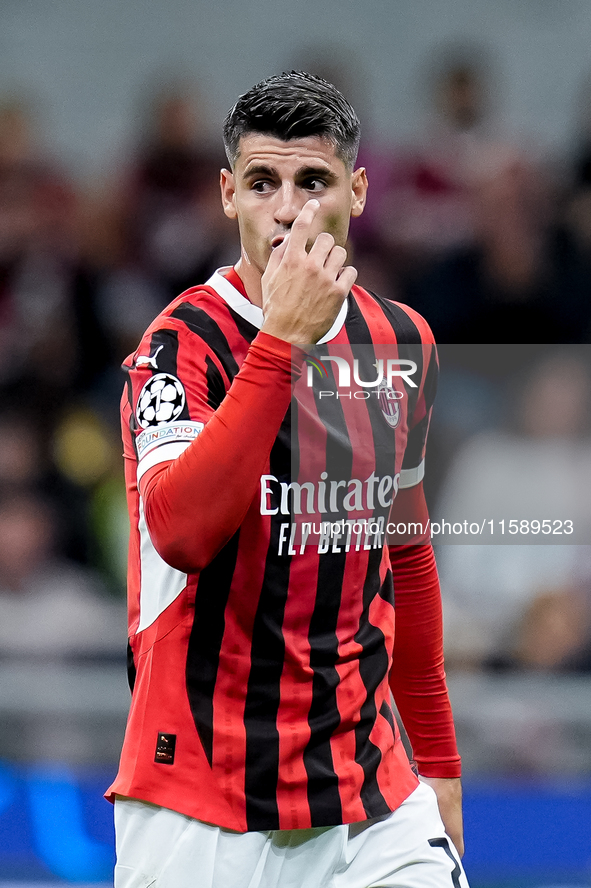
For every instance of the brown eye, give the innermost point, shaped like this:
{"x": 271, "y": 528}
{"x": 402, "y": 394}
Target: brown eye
{"x": 314, "y": 185}
{"x": 261, "y": 186}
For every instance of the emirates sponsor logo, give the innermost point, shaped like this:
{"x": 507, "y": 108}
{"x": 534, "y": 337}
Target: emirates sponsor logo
{"x": 325, "y": 497}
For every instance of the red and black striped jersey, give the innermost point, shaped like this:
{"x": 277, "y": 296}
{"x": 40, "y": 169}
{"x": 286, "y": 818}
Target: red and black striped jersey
{"x": 261, "y": 652}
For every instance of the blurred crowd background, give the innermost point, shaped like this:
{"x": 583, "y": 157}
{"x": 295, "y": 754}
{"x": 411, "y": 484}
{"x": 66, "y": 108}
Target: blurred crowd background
{"x": 482, "y": 227}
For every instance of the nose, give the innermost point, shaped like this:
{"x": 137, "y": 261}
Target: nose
{"x": 289, "y": 203}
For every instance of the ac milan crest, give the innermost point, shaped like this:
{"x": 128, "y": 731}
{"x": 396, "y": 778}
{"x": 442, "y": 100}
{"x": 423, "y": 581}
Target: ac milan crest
{"x": 389, "y": 403}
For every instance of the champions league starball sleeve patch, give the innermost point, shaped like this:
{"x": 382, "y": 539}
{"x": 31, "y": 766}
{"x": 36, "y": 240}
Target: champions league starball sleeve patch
{"x": 164, "y": 434}
{"x": 161, "y": 400}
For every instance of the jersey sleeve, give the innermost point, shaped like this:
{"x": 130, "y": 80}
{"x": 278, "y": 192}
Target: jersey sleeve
{"x": 413, "y": 464}
{"x": 197, "y": 487}
{"x": 173, "y": 387}
{"x": 417, "y": 677}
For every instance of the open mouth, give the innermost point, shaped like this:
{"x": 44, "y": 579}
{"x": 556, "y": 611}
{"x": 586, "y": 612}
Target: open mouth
{"x": 277, "y": 241}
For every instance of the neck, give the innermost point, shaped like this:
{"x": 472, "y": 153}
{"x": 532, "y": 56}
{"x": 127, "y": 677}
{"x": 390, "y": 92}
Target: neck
{"x": 251, "y": 278}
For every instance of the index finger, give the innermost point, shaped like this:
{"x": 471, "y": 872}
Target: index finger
{"x": 299, "y": 232}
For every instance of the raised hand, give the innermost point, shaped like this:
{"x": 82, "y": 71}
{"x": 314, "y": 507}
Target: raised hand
{"x": 303, "y": 289}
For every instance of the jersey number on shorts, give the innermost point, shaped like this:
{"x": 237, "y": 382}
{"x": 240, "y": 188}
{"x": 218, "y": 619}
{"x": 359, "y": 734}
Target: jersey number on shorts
{"x": 443, "y": 843}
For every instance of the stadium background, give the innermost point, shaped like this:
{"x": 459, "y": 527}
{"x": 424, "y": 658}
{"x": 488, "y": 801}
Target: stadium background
{"x": 477, "y": 126}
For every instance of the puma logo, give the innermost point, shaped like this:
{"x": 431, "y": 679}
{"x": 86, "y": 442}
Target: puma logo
{"x": 148, "y": 360}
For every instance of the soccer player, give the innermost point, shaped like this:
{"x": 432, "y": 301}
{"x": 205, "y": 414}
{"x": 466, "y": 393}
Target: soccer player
{"x": 261, "y": 748}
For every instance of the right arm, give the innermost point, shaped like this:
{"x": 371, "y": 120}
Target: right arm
{"x": 194, "y": 504}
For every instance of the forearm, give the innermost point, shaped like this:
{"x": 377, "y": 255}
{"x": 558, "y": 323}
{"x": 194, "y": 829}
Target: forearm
{"x": 194, "y": 504}
{"x": 449, "y": 798}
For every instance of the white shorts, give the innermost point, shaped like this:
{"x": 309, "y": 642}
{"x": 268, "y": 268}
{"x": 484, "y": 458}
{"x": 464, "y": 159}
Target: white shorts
{"x": 405, "y": 849}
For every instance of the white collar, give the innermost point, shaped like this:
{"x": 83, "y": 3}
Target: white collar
{"x": 252, "y": 313}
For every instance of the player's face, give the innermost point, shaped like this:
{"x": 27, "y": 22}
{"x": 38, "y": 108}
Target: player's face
{"x": 271, "y": 182}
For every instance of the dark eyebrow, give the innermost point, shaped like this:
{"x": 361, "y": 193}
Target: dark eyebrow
{"x": 309, "y": 172}
{"x": 306, "y": 172}
{"x": 259, "y": 169}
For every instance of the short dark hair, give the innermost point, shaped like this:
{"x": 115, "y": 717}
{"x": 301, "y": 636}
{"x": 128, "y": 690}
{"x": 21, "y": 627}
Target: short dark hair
{"x": 294, "y": 105}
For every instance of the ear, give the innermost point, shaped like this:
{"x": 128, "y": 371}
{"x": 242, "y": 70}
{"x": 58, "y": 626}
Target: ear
{"x": 359, "y": 185}
{"x": 228, "y": 188}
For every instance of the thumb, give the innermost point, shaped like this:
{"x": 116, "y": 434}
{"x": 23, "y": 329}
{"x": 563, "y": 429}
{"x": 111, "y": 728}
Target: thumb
{"x": 276, "y": 257}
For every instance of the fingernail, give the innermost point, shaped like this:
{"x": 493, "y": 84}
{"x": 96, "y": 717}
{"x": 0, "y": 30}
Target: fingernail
{"x": 315, "y": 203}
